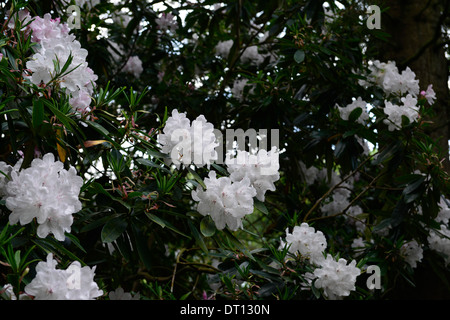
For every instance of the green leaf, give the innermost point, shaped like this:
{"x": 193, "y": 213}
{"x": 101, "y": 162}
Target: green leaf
{"x": 197, "y": 236}
{"x": 355, "y": 114}
{"x": 207, "y": 227}
{"x": 113, "y": 229}
{"x": 197, "y": 177}
{"x": 299, "y": 56}
{"x": 260, "y": 206}
{"x": 163, "y": 223}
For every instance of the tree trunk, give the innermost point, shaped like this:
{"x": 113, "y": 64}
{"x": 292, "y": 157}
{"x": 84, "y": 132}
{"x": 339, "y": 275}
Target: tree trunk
{"x": 416, "y": 42}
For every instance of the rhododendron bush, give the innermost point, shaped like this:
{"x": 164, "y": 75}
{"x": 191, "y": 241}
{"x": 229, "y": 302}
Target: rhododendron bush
{"x": 123, "y": 174}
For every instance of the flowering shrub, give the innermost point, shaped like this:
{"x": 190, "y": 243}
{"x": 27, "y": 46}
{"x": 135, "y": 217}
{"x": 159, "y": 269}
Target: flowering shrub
{"x": 110, "y": 191}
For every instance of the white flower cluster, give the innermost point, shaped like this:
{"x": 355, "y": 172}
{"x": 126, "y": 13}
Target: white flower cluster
{"x": 238, "y": 89}
{"x": 305, "y": 240}
{"x": 227, "y": 202}
{"x": 339, "y": 198}
{"x": 226, "y": 199}
{"x": 412, "y": 252}
{"x": 133, "y": 66}
{"x": 396, "y": 85}
{"x": 444, "y": 212}
{"x": 56, "y": 44}
{"x": 439, "y": 241}
{"x": 396, "y": 113}
{"x": 261, "y": 169}
{"x": 250, "y": 55}
{"x": 73, "y": 283}
{"x": 347, "y": 110}
{"x": 198, "y": 141}
{"x": 120, "y": 294}
{"x": 167, "y": 22}
{"x": 388, "y": 78}
{"x": 336, "y": 278}
{"x": 46, "y": 192}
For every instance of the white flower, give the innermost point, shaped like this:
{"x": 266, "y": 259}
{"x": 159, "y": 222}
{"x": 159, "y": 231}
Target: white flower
{"x": 387, "y": 77}
{"x": 198, "y": 140}
{"x": 74, "y": 283}
{"x": 358, "y": 245}
{"x": 261, "y": 168}
{"x": 46, "y": 192}
{"x": 120, "y": 294}
{"x": 225, "y": 201}
{"x": 223, "y": 48}
{"x": 238, "y": 88}
{"x": 429, "y": 94}
{"x": 394, "y": 112}
{"x": 412, "y": 252}
{"x": 80, "y": 282}
{"x": 311, "y": 174}
{"x": 55, "y": 44}
{"x": 308, "y": 242}
{"x": 133, "y": 66}
{"x": 352, "y": 215}
{"x": 358, "y": 103}
{"x": 47, "y": 28}
{"x": 336, "y": 278}
{"x": 167, "y": 22}
{"x": 337, "y": 203}
{"x": 444, "y": 212}
{"x": 249, "y": 55}
{"x": 440, "y": 243}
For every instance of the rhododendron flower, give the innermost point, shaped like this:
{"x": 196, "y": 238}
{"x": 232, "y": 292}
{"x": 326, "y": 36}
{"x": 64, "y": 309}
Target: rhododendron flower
{"x": 167, "y": 22}
{"x": 358, "y": 103}
{"x": 46, "y": 192}
{"x": 133, "y": 66}
{"x": 55, "y": 44}
{"x": 261, "y": 168}
{"x": 198, "y": 140}
{"x": 413, "y": 252}
{"x": 308, "y": 242}
{"x": 225, "y": 201}
{"x": 336, "y": 278}
{"x": 74, "y": 283}
{"x": 395, "y": 113}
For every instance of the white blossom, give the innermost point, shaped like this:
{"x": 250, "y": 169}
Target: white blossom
{"x": 134, "y": 66}
{"x": 336, "y": 278}
{"x": 444, "y": 212}
{"x": 413, "y": 252}
{"x": 429, "y": 94}
{"x": 439, "y": 241}
{"x": 46, "y": 192}
{"x": 261, "y": 168}
{"x": 198, "y": 140}
{"x": 120, "y": 294}
{"x": 55, "y": 44}
{"x": 388, "y": 78}
{"x": 225, "y": 201}
{"x": 305, "y": 240}
{"x": 358, "y": 103}
{"x": 74, "y": 283}
{"x": 167, "y": 22}
{"x": 394, "y": 112}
